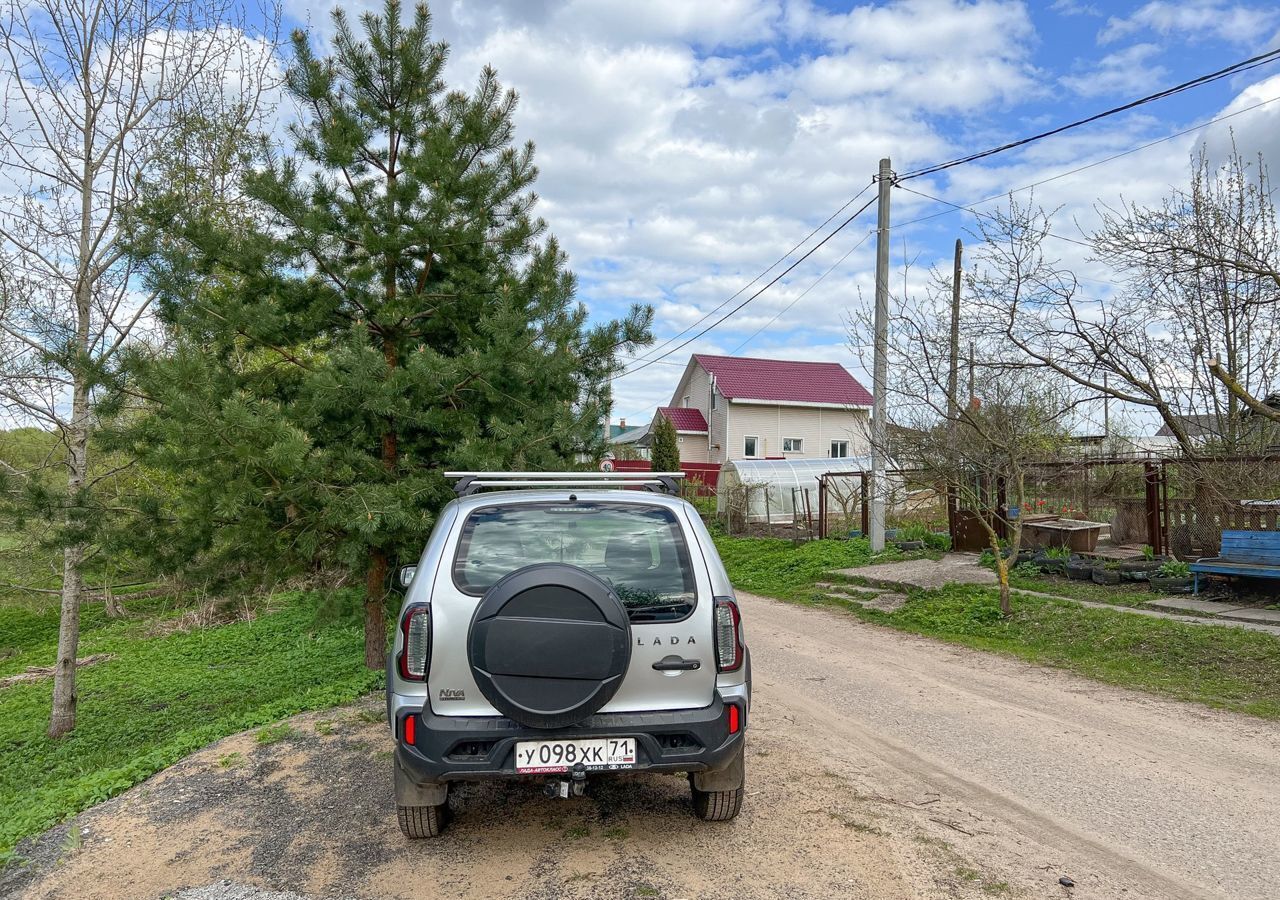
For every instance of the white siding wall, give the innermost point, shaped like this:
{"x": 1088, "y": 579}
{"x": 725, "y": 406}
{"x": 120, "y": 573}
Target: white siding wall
{"x": 693, "y": 447}
{"x": 816, "y": 427}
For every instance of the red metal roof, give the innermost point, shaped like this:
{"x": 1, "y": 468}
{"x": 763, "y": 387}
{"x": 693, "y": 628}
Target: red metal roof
{"x": 684, "y": 418}
{"x": 782, "y": 380}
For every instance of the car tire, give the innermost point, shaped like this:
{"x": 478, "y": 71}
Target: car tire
{"x": 716, "y": 806}
{"x": 422, "y": 821}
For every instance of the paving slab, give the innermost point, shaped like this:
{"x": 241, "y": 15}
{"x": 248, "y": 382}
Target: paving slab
{"x": 1193, "y": 604}
{"x": 925, "y": 574}
{"x": 1253, "y": 614}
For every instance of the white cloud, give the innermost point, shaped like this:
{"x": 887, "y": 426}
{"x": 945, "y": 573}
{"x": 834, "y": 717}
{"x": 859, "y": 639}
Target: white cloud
{"x": 1194, "y": 20}
{"x": 683, "y": 146}
{"x": 1129, "y": 71}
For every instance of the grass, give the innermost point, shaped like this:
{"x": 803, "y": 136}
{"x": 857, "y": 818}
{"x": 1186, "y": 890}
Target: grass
{"x": 161, "y": 697}
{"x": 1124, "y": 594}
{"x": 1227, "y": 668}
{"x": 274, "y": 734}
{"x": 777, "y": 568}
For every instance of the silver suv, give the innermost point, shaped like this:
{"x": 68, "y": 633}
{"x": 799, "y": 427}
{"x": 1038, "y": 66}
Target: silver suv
{"x": 559, "y": 627}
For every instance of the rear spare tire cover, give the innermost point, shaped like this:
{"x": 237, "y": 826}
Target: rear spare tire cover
{"x": 549, "y": 645}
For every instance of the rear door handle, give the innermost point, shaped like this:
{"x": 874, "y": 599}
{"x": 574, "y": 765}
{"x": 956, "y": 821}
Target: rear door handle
{"x": 676, "y": 664}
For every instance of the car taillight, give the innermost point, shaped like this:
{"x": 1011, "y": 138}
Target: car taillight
{"x": 416, "y": 627}
{"x": 728, "y": 635}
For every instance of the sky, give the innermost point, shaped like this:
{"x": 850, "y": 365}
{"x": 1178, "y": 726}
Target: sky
{"x": 685, "y": 145}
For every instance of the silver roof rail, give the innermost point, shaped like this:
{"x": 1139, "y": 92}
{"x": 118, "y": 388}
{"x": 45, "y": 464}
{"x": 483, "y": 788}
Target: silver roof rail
{"x": 467, "y": 483}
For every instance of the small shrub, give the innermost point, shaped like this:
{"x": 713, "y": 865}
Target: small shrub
{"x": 1058, "y": 553}
{"x": 1148, "y": 552}
{"x": 1026, "y": 570}
{"x": 1174, "y": 568}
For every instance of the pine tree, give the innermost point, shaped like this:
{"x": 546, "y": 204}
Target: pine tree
{"x": 664, "y": 450}
{"x": 395, "y": 309}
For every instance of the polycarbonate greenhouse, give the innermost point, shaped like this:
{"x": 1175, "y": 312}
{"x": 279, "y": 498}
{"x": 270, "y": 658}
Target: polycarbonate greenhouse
{"x": 773, "y": 490}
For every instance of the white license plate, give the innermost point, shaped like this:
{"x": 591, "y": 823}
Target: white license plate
{"x": 596, "y": 754}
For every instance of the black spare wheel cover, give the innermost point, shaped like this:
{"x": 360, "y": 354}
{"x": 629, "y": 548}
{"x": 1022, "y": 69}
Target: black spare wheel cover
{"x": 549, "y": 645}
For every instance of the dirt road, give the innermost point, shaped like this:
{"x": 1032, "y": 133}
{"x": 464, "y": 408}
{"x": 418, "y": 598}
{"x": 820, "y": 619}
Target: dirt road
{"x": 879, "y": 766}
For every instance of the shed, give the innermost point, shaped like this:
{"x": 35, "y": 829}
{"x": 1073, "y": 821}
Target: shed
{"x": 772, "y": 488}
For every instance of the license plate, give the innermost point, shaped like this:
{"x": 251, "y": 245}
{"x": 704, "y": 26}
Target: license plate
{"x": 595, "y": 755}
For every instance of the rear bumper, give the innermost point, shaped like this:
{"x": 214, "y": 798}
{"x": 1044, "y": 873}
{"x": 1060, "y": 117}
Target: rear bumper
{"x": 450, "y": 748}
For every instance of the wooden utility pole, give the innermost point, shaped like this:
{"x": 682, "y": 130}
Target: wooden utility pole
{"x": 879, "y": 424}
{"x": 953, "y": 384}
{"x": 953, "y": 374}
{"x": 973, "y": 390}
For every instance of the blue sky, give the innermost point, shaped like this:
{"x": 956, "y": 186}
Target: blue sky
{"x": 685, "y": 146}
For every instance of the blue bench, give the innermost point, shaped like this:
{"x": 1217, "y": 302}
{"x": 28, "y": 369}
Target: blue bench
{"x": 1254, "y": 554}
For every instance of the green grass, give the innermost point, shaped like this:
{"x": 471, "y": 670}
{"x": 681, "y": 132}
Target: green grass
{"x": 161, "y": 697}
{"x": 1229, "y": 668}
{"x": 1123, "y": 594}
{"x": 778, "y": 568}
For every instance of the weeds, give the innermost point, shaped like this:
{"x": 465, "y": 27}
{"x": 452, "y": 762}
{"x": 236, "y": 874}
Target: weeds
{"x": 159, "y": 699}
{"x": 273, "y": 734}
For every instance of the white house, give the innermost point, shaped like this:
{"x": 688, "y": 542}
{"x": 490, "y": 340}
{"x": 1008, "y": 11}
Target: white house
{"x": 727, "y": 407}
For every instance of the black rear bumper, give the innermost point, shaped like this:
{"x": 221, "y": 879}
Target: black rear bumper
{"x": 449, "y": 748}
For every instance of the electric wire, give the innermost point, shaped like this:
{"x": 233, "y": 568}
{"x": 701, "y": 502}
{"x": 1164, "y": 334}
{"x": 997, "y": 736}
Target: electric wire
{"x": 1234, "y": 69}
{"x": 803, "y": 294}
{"x": 1078, "y": 169}
{"x": 746, "y": 286}
{"x": 744, "y": 303}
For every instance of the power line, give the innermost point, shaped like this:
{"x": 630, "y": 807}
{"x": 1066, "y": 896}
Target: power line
{"x": 1079, "y": 169}
{"x": 787, "y": 308}
{"x": 771, "y": 267}
{"x": 1234, "y": 69}
{"x": 971, "y": 208}
{"x": 743, "y": 304}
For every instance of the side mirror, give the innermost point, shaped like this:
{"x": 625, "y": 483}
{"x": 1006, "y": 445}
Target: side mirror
{"x": 406, "y": 575}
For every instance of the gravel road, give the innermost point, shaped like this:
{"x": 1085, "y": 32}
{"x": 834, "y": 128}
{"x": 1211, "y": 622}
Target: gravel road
{"x": 880, "y": 766}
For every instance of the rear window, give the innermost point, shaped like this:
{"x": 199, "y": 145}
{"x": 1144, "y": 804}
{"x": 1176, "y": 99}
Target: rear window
{"x": 639, "y": 550}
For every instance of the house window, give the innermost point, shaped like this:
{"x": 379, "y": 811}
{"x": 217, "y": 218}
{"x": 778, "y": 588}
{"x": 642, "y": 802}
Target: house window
{"x": 686, "y": 401}
{"x": 839, "y": 449}
{"x": 792, "y": 445}
{"x": 750, "y": 446}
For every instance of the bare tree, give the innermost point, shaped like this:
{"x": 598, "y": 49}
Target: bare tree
{"x": 981, "y": 446}
{"x": 93, "y": 96}
{"x": 1197, "y": 308}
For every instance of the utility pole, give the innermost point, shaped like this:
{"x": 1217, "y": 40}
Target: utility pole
{"x": 973, "y": 390}
{"x": 1106, "y": 408}
{"x": 953, "y": 383}
{"x": 879, "y": 423}
{"x": 953, "y": 374}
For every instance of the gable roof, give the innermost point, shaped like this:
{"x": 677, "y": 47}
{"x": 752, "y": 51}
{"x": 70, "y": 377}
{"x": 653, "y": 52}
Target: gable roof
{"x": 685, "y": 418}
{"x": 784, "y": 381}
{"x": 1196, "y": 426}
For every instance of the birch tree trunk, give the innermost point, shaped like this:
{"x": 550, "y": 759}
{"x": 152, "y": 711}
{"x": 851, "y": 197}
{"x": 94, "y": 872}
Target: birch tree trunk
{"x": 94, "y": 97}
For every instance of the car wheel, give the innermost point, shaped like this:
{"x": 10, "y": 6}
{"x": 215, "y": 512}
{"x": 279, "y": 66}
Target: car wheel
{"x": 716, "y": 806}
{"x": 422, "y": 821}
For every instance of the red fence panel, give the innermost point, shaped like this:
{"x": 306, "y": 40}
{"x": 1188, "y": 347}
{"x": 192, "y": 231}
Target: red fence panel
{"x": 707, "y": 474}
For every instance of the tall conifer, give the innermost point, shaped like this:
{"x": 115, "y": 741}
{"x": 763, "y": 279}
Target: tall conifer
{"x": 393, "y": 309}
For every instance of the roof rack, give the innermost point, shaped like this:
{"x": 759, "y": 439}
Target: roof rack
{"x": 468, "y": 483}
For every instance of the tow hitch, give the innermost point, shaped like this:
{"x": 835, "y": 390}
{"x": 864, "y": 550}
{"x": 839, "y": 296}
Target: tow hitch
{"x": 574, "y": 786}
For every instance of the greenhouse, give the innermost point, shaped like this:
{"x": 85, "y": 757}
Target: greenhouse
{"x": 777, "y": 490}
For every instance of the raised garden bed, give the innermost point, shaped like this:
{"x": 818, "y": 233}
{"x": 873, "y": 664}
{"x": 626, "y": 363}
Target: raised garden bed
{"x": 1103, "y": 575}
{"x": 1079, "y": 535}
